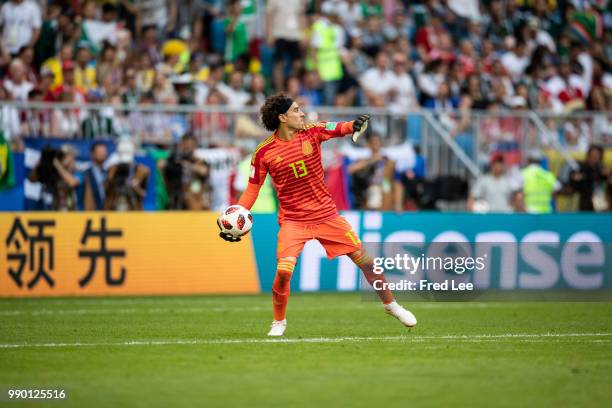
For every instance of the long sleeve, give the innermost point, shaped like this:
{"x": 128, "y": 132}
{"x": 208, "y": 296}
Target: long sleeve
{"x": 249, "y": 196}
{"x": 328, "y": 130}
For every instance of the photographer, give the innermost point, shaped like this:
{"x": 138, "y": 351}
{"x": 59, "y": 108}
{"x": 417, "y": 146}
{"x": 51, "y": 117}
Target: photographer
{"x": 186, "y": 177}
{"x": 57, "y": 174}
{"x": 126, "y": 183}
{"x": 94, "y": 178}
{"x": 589, "y": 181}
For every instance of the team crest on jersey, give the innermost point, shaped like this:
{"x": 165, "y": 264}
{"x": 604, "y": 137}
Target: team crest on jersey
{"x": 306, "y": 148}
{"x": 278, "y": 159}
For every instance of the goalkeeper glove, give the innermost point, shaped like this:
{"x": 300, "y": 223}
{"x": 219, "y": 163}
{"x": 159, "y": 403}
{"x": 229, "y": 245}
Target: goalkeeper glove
{"x": 226, "y": 235}
{"x": 359, "y": 126}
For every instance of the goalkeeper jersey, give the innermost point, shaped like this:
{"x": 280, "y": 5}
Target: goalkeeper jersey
{"x": 296, "y": 170}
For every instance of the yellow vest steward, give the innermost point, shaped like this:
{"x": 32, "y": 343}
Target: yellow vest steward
{"x": 329, "y": 64}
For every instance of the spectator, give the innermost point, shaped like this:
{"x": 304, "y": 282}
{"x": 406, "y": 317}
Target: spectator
{"x": 430, "y": 79}
{"x": 85, "y": 69}
{"x": 498, "y": 83}
{"x": 589, "y": 180}
{"x": 311, "y": 89}
{"x": 162, "y": 87}
{"x": 196, "y": 68}
{"x": 257, "y": 94}
{"x": 150, "y": 46}
{"x": 45, "y": 85}
{"x": 189, "y": 22}
{"x": 492, "y": 192}
{"x": 284, "y": 25}
{"x": 566, "y": 89}
{"x": 429, "y": 37}
{"x": 475, "y": 36}
{"x": 539, "y": 185}
{"x": 292, "y": 89}
{"x": 17, "y": 85}
{"x": 126, "y": 182}
{"x": 236, "y": 35}
{"x": 56, "y": 63}
{"x": 354, "y": 60}
{"x": 76, "y": 94}
{"x": 372, "y": 37}
{"x": 444, "y": 102}
{"x": 46, "y": 46}
{"x": 26, "y": 55}
{"x": 516, "y": 60}
{"x": 145, "y": 75}
{"x": 157, "y": 14}
{"x": 467, "y": 58}
{"x": 351, "y": 13}
{"x": 404, "y": 98}
{"x": 96, "y": 31}
{"x": 496, "y": 24}
{"x": 21, "y": 21}
{"x": 234, "y": 94}
{"x": 95, "y": 177}
{"x": 535, "y": 36}
{"x": 214, "y": 81}
{"x": 130, "y": 94}
{"x": 108, "y": 65}
{"x": 183, "y": 89}
{"x": 378, "y": 81}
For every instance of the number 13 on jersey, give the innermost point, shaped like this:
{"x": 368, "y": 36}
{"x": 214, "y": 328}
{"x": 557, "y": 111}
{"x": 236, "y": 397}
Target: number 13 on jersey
{"x": 299, "y": 168}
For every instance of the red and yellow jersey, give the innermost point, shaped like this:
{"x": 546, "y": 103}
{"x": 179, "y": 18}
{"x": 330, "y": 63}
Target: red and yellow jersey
{"x": 297, "y": 172}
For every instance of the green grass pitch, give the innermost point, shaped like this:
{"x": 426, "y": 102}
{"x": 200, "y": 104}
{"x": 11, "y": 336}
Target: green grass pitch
{"x": 338, "y": 351}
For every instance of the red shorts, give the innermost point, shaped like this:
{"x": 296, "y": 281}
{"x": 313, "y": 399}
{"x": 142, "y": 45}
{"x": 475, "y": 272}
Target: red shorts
{"x": 336, "y": 236}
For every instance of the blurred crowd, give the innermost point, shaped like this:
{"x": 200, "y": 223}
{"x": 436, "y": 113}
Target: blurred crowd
{"x": 449, "y": 57}
{"x": 465, "y": 54}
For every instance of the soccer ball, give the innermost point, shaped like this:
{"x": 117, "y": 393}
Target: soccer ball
{"x": 236, "y": 220}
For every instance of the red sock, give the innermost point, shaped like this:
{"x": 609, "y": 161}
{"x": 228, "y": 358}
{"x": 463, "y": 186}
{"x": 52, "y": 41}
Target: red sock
{"x": 281, "y": 288}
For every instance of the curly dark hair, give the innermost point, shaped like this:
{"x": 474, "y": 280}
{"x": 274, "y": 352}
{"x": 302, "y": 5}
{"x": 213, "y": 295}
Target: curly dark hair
{"x": 273, "y": 106}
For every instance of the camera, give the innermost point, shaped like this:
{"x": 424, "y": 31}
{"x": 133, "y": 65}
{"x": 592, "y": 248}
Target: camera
{"x": 121, "y": 185}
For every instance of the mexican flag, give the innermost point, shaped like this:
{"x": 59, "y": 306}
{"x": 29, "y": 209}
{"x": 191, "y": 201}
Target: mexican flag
{"x": 7, "y": 167}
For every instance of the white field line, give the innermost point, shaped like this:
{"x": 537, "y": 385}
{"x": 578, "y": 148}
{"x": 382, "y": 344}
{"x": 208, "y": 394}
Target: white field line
{"x": 203, "y": 309}
{"x": 409, "y": 339}
{"x": 170, "y": 303}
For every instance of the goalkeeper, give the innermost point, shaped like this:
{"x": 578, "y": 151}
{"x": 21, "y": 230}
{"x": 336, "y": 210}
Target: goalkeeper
{"x": 292, "y": 157}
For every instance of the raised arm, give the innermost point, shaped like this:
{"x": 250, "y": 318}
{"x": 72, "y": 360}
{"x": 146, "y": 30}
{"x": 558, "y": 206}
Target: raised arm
{"x": 339, "y": 129}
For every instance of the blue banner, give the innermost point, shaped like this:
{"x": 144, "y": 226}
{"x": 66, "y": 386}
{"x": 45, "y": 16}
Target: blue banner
{"x": 540, "y": 251}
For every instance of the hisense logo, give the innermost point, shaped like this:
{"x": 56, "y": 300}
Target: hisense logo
{"x": 535, "y": 259}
